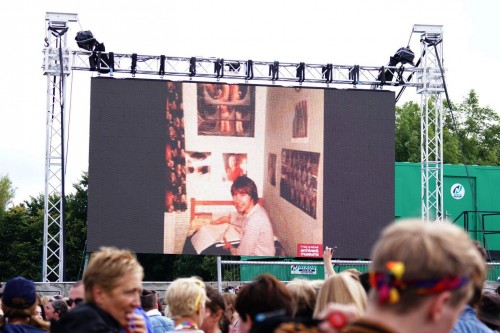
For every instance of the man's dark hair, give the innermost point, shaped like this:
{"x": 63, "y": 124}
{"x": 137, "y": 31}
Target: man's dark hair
{"x": 266, "y": 294}
{"x": 243, "y": 184}
{"x": 148, "y": 299}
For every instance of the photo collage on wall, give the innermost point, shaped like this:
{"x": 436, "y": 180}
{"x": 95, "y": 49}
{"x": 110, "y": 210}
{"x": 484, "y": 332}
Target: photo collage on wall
{"x": 299, "y": 179}
{"x": 226, "y": 110}
{"x": 175, "y": 192}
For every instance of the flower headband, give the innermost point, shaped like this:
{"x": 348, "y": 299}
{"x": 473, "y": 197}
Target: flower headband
{"x": 390, "y": 284}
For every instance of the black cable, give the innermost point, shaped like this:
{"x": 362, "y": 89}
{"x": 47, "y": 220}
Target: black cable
{"x": 457, "y": 137}
{"x": 63, "y": 168}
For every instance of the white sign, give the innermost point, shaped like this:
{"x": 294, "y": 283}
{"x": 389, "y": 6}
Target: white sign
{"x": 303, "y": 269}
{"x": 457, "y": 191}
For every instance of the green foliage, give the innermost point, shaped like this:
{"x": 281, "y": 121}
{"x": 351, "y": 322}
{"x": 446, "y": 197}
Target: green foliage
{"x": 473, "y": 128}
{"x": 21, "y": 233}
{"x": 7, "y": 192}
{"x": 21, "y": 236}
{"x": 76, "y": 230}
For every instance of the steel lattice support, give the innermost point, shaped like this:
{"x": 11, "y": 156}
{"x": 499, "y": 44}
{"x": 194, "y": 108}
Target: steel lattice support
{"x": 431, "y": 121}
{"x": 56, "y": 68}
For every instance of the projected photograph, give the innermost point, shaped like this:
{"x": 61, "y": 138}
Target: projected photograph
{"x": 163, "y": 157}
{"x": 299, "y": 179}
{"x": 227, "y": 110}
{"x": 235, "y": 166}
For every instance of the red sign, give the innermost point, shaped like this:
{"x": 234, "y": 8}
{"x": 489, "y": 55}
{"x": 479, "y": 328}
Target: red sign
{"x": 309, "y": 250}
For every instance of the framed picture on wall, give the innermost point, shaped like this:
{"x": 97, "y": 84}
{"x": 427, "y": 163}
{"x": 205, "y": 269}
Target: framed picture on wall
{"x": 299, "y": 179}
{"x": 226, "y": 110}
{"x": 235, "y": 165}
{"x": 271, "y": 169}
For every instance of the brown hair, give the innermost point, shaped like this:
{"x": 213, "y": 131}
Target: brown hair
{"x": 243, "y": 184}
{"x": 304, "y": 297}
{"x": 265, "y": 294}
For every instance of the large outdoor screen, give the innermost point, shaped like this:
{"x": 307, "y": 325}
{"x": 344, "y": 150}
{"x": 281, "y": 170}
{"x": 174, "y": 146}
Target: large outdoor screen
{"x": 164, "y": 157}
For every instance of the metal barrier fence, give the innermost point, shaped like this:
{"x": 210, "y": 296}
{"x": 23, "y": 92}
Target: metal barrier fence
{"x": 232, "y": 273}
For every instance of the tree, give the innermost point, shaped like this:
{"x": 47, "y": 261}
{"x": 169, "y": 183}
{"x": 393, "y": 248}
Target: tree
{"x": 21, "y": 234}
{"x": 473, "y": 128}
{"x": 7, "y": 192}
{"x": 75, "y": 228}
{"x": 478, "y": 130}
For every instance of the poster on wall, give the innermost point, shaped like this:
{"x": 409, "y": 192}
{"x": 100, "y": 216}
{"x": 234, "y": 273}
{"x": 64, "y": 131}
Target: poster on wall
{"x": 299, "y": 124}
{"x": 175, "y": 193}
{"x": 299, "y": 179}
{"x": 226, "y": 110}
{"x": 235, "y": 165}
{"x": 198, "y": 164}
{"x": 271, "y": 169}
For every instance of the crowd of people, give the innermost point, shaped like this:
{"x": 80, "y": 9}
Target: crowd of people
{"x": 422, "y": 278}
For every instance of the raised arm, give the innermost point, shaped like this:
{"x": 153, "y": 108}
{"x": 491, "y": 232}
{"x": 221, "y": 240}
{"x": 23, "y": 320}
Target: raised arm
{"x": 327, "y": 260}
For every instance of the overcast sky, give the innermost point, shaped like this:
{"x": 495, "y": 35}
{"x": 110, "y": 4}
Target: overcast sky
{"x": 362, "y": 32}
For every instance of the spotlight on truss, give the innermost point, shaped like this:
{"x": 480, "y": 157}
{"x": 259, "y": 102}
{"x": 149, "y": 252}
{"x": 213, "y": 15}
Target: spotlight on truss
{"x": 97, "y": 61}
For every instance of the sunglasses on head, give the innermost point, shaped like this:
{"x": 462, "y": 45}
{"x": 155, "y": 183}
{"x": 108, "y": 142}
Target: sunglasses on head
{"x": 76, "y": 301}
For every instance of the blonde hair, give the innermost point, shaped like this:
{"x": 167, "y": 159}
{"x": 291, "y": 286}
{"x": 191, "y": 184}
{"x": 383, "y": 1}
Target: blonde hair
{"x": 304, "y": 297}
{"x": 186, "y": 297}
{"x": 316, "y": 285}
{"x": 106, "y": 267}
{"x": 428, "y": 251}
{"x": 343, "y": 288}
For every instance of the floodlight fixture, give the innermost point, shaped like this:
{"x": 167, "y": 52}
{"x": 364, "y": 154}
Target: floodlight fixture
{"x": 85, "y": 40}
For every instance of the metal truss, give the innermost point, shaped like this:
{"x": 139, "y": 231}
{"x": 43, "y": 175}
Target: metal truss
{"x": 56, "y": 68}
{"x": 241, "y": 71}
{"x": 431, "y": 121}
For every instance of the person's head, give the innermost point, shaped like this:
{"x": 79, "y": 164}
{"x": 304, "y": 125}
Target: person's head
{"x": 316, "y": 285}
{"x": 76, "y": 294}
{"x": 55, "y": 309}
{"x": 244, "y": 192}
{"x": 113, "y": 281}
{"x": 342, "y": 288}
{"x": 186, "y": 298}
{"x": 215, "y": 319}
{"x": 38, "y": 312}
{"x": 230, "y": 301}
{"x": 488, "y": 310}
{"x": 426, "y": 266}
{"x": 231, "y": 161}
{"x": 149, "y": 300}
{"x": 478, "y": 282}
{"x": 304, "y": 297}
{"x": 19, "y": 299}
{"x": 264, "y": 295}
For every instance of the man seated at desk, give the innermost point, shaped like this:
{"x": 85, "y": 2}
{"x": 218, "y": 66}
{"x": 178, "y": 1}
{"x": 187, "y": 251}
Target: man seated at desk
{"x": 256, "y": 237}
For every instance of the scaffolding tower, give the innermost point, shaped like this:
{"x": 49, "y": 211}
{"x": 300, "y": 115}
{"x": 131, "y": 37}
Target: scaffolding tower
{"x": 431, "y": 120}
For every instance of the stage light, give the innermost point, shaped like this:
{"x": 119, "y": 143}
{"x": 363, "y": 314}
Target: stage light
{"x": 403, "y": 55}
{"x": 85, "y": 40}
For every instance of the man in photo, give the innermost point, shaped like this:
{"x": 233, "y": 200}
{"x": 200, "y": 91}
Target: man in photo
{"x": 257, "y": 237}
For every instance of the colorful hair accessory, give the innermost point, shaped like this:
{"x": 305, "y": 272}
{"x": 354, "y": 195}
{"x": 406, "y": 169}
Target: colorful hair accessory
{"x": 390, "y": 284}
